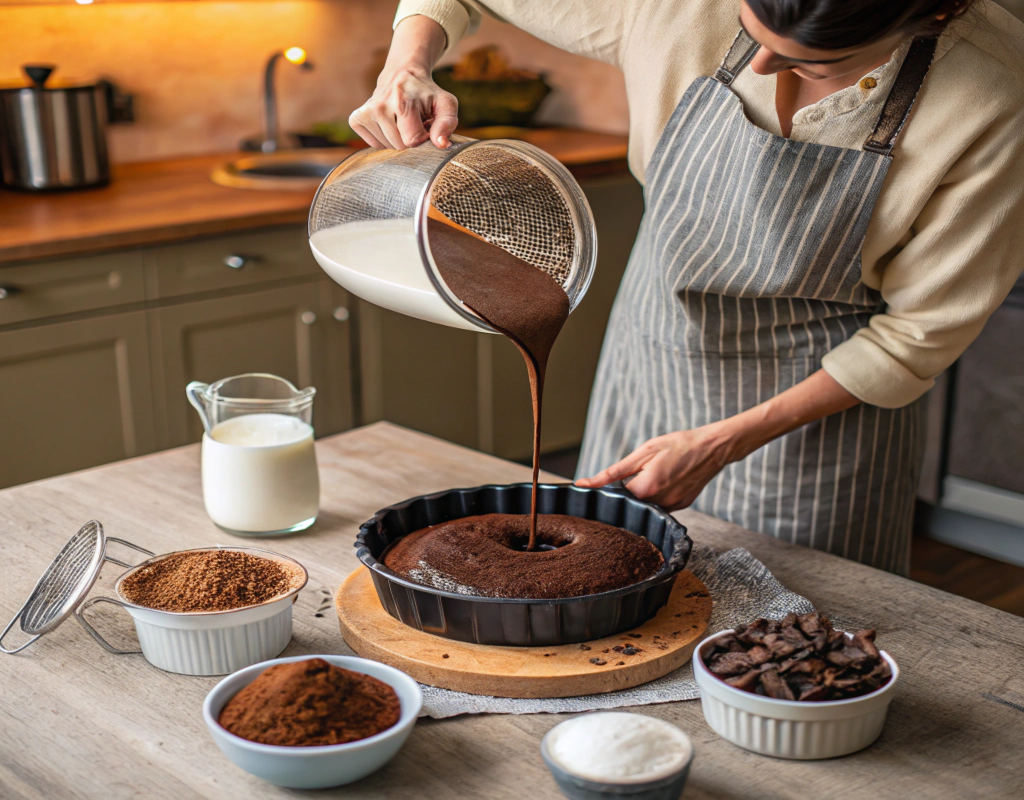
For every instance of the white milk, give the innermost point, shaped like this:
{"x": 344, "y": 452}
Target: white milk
{"x": 379, "y": 260}
{"x": 260, "y": 475}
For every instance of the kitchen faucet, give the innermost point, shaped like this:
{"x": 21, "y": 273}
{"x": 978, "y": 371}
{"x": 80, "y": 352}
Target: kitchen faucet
{"x": 271, "y": 141}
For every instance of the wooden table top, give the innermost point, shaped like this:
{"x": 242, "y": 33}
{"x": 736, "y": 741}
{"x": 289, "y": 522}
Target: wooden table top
{"x": 79, "y": 722}
{"x": 162, "y": 201}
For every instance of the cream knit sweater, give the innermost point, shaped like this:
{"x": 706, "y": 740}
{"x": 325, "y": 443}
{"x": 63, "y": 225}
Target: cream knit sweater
{"x": 946, "y": 241}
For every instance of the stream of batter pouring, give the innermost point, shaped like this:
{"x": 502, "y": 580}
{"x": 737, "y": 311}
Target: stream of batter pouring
{"x": 518, "y": 299}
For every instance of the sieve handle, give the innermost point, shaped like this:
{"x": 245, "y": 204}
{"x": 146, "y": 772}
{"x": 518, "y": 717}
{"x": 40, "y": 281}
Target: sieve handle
{"x": 8, "y": 630}
{"x": 129, "y": 545}
{"x": 79, "y": 615}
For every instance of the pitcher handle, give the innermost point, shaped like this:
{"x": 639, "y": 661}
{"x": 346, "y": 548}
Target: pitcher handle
{"x": 95, "y": 634}
{"x": 194, "y": 393}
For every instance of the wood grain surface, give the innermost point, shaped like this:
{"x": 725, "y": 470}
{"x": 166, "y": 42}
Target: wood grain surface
{"x": 163, "y": 201}
{"x": 663, "y": 644}
{"x": 77, "y": 722}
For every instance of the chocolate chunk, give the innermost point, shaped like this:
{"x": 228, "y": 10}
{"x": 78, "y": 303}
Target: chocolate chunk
{"x": 621, "y": 664}
{"x": 634, "y": 635}
{"x": 618, "y": 648}
{"x": 774, "y": 686}
{"x": 584, "y": 647}
{"x": 599, "y": 661}
{"x": 629, "y": 650}
{"x": 445, "y": 656}
{"x": 747, "y": 681}
{"x": 730, "y": 664}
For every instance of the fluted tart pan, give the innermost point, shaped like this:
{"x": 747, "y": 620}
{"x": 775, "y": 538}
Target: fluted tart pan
{"x": 523, "y": 622}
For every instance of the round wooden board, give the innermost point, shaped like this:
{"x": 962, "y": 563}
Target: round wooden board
{"x": 665, "y": 643}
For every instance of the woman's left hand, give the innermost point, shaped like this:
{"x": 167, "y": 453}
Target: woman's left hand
{"x": 671, "y": 470}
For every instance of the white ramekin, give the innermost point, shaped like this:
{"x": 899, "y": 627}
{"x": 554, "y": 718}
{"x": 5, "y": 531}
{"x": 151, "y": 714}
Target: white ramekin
{"x": 207, "y": 643}
{"x": 788, "y": 728}
{"x": 321, "y": 766}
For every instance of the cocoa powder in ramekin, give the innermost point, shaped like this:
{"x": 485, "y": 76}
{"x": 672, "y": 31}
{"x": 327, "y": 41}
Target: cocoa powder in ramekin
{"x": 209, "y": 580}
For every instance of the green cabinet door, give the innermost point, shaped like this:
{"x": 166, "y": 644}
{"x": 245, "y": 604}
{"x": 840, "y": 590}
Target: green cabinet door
{"x": 74, "y": 395}
{"x": 283, "y": 331}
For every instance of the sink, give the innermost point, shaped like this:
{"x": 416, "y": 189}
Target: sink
{"x": 287, "y": 169}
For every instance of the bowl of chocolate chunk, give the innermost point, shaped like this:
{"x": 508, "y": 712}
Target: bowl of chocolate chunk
{"x": 311, "y": 722}
{"x": 472, "y": 565}
{"x": 795, "y": 687}
{"x": 208, "y": 611}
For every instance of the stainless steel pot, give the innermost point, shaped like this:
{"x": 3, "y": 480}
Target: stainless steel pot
{"x": 53, "y": 138}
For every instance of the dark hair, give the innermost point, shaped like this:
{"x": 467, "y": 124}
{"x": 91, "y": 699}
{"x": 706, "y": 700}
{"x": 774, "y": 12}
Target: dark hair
{"x": 840, "y": 24}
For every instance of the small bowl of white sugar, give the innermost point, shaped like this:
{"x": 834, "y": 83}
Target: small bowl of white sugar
{"x": 615, "y": 754}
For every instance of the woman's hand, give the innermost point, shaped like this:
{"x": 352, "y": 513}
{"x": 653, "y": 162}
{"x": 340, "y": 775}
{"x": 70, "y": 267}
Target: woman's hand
{"x": 671, "y": 470}
{"x": 407, "y": 107}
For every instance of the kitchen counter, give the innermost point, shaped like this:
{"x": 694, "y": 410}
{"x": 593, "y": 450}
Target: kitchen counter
{"x": 164, "y": 201}
{"x": 79, "y": 722}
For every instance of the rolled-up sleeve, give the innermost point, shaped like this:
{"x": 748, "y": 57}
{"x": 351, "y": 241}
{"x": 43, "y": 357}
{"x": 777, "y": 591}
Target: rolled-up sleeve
{"x": 457, "y": 19}
{"x": 965, "y": 252}
{"x": 585, "y": 27}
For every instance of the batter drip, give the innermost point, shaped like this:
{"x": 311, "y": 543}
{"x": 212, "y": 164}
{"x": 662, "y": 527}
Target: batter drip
{"x": 486, "y": 556}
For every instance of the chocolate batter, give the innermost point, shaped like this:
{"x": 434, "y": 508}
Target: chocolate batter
{"x": 523, "y": 302}
{"x": 483, "y": 556}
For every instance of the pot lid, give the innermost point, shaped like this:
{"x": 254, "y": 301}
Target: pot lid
{"x": 39, "y": 76}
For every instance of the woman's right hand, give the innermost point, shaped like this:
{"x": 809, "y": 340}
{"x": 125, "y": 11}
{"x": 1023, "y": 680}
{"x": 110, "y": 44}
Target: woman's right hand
{"x": 407, "y": 107}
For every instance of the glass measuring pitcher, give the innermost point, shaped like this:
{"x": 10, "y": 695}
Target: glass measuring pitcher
{"x": 259, "y": 467}
{"x": 368, "y": 222}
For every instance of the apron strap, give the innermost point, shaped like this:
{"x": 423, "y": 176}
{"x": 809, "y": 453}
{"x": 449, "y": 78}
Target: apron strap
{"x": 739, "y": 55}
{"x": 901, "y": 97}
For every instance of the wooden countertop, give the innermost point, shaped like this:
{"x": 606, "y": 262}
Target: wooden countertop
{"x": 162, "y": 201}
{"x": 80, "y": 722}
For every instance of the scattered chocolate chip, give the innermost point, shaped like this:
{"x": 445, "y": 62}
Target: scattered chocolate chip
{"x": 657, "y": 637}
{"x": 799, "y": 658}
{"x": 621, "y": 664}
{"x": 676, "y": 633}
{"x": 634, "y": 635}
{"x": 445, "y": 656}
{"x": 605, "y": 650}
{"x": 618, "y": 648}
{"x": 584, "y": 647}
{"x": 318, "y": 615}
{"x": 631, "y": 651}
{"x": 599, "y": 661}
{"x": 677, "y": 615}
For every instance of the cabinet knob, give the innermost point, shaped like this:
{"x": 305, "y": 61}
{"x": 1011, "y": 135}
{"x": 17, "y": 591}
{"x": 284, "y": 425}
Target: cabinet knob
{"x": 235, "y": 262}
{"x": 341, "y": 314}
{"x": 7, "y": 291}
{"x": 307, "y": 317}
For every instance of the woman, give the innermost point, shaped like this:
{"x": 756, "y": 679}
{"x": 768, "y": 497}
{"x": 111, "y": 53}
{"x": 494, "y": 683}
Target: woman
{"x": 809, "y": 259}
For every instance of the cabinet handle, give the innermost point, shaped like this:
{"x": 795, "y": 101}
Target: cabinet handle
{"x": 7, "y": 291}
{"x": 235, "y": 262}
{"x": 307, "y": 317}
{"x": 341, "y": 314}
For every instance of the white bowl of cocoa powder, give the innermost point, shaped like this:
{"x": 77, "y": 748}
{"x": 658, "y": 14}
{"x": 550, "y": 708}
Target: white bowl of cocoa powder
{"x": 303, "y": 701}
{"x": 210, "y": 611}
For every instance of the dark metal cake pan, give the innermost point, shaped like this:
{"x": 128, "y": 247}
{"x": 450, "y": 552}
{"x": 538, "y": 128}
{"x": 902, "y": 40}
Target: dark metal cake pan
{"x": 519, "y": 622}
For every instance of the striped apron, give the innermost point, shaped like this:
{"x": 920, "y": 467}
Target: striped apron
{"x": 745, "y": 272}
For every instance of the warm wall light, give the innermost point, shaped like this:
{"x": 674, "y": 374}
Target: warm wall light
{"x": 84, "y": 2}
{"x": 294, "y": 54}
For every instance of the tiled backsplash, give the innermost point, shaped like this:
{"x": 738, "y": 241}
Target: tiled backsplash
{"x": 195, "y": 68}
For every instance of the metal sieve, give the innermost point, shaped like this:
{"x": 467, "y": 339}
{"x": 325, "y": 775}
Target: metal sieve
{"x": 65, "y": 583}
{"x": 368, "y": 230}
